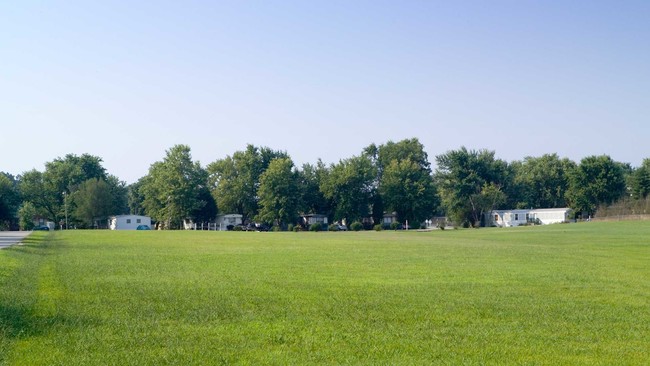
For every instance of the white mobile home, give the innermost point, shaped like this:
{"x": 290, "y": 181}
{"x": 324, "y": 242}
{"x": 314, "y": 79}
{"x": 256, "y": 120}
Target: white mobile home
{"x": 544, "y": 216}
{"x": 223, "y": 221}
{"x": 310, "y": 219}
{"x": 128, "y": 222}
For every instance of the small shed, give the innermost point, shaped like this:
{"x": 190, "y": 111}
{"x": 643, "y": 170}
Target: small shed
{"x": 128, "y": 222}
{"x": 389, "y": 218}
{"x": 223, "y": 221}
{"x": 314, "y": 219}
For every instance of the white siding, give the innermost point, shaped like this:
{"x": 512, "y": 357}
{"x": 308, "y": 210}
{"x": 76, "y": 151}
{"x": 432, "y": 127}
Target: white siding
{"x": 128, "y": 222}
{"x": 508, "y": 218}
{"x": 223, "y": 221}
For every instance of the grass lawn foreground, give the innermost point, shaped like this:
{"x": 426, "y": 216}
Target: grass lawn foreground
{"x": 559, "y": 294}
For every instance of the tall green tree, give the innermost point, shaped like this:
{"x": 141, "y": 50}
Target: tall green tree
{"x": 97, "y": 199}
{"x": 172, "y": 188}
{"x": 278, "y": 193}
{"x": 408, "y": 190}
{"x": 465, "y": 178}
{"x": 62, "y": 176}
{"x": 234, "y": 180}
{"x": 350, "y": 184}
{"x": 119, "y": 193}
{"x": 9, "y": 201}
{"x": 312, "y": 200}
{"x": 404, "y": 182}
{"x": 543, "y": 181}
{"x": 45, "y": 198}
{"x": 598, "y": 180}
{"x": 209, "y": 211}
{"x": 26, "y": 214}
{"x": 639, "y": 181}
{"x": 93, "y": 202}
{"x": 65, "y": 174}
{"x": 135, "y": 198}
{"x": 407, "y": 149}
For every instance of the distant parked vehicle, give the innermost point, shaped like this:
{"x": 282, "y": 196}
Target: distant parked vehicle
{"x": 41, "y": 228}
{"x": 241, "y": 227}
{"x": 342, "y": 228}
{"x": 143, "y": 227}
{"x": 261, "y": 227}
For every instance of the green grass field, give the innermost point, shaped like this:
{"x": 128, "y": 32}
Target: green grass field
{"x": 559, "y": 294}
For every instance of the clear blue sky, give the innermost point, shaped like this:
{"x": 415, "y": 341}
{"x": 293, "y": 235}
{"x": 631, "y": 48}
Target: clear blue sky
{"x": 127, "y": 80}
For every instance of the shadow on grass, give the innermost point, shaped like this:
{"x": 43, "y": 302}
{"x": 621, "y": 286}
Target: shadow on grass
{"x": 19, "y": 321}
{"x": 37, "y": 242}
{"x": 35, "y": 238}
{"x": 19, "y": 292}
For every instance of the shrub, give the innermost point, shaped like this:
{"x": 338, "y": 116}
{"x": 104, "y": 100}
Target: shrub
{"x": 333, "y": 227}
{"x": 356, "y": 226}
{"x": 315, "y": 227}
{"x": 237, "y": 228}
{"x": 395, "y": 225}
{"x": 276, "y": 228}
{"x": 230, "y": 227}
{"x": 297, "y": 228}
{"x": 290, "y": 227}
{"x": 378, "y": 227}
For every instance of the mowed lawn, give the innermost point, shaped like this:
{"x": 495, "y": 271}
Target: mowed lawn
{"x": 560, "y": 294}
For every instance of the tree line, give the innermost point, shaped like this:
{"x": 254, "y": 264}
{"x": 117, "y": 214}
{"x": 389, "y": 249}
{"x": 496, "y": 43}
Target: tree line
{"x": 264, "y": 185}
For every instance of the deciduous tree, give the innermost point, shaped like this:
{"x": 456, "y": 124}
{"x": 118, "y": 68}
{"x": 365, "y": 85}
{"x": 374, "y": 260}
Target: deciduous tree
{"x": 349, "y": 184}
{"x": 97, "y": 199}
{"x": 234, "y": 180}
{"x": 464, "y": 176}
{"x": 172, "y": 189}
{"x": 9, "y": 201}
{"x": 278, "y": 193}
{"x": 135, "y": 198}
{"x": 47, "y": 190}
{"x": 640, "y": 181}
{"x": 543, "y": 181}
{"x": 598, "y": 180}
{"x": 404, "y": 183}
{"x": 310, "y": 178}
{"x": 408, "y": 190}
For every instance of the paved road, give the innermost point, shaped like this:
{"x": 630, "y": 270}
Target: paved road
{"x": 8, "y": 238}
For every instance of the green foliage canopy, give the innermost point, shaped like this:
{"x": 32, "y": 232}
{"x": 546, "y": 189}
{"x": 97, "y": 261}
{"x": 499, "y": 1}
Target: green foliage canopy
{"x": 234, "y": 180}
{"x": 278, "y": 193}
{"x": 543, "y": 181}
{"x": 468, "y": 182}
{"x": 640, "y": 181}
{"x": 9, "y": 200}
{"x": 596, "y": 181}
{"x": 404, "y": 184}
{"x": 349, "y": 184}
{"x": 408, "y": 190}
{"x": 310, "y": 179}
{"x": 172, "y": 189}
{"x": 97, "y": 199}
{"x": 62, "y": 176}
